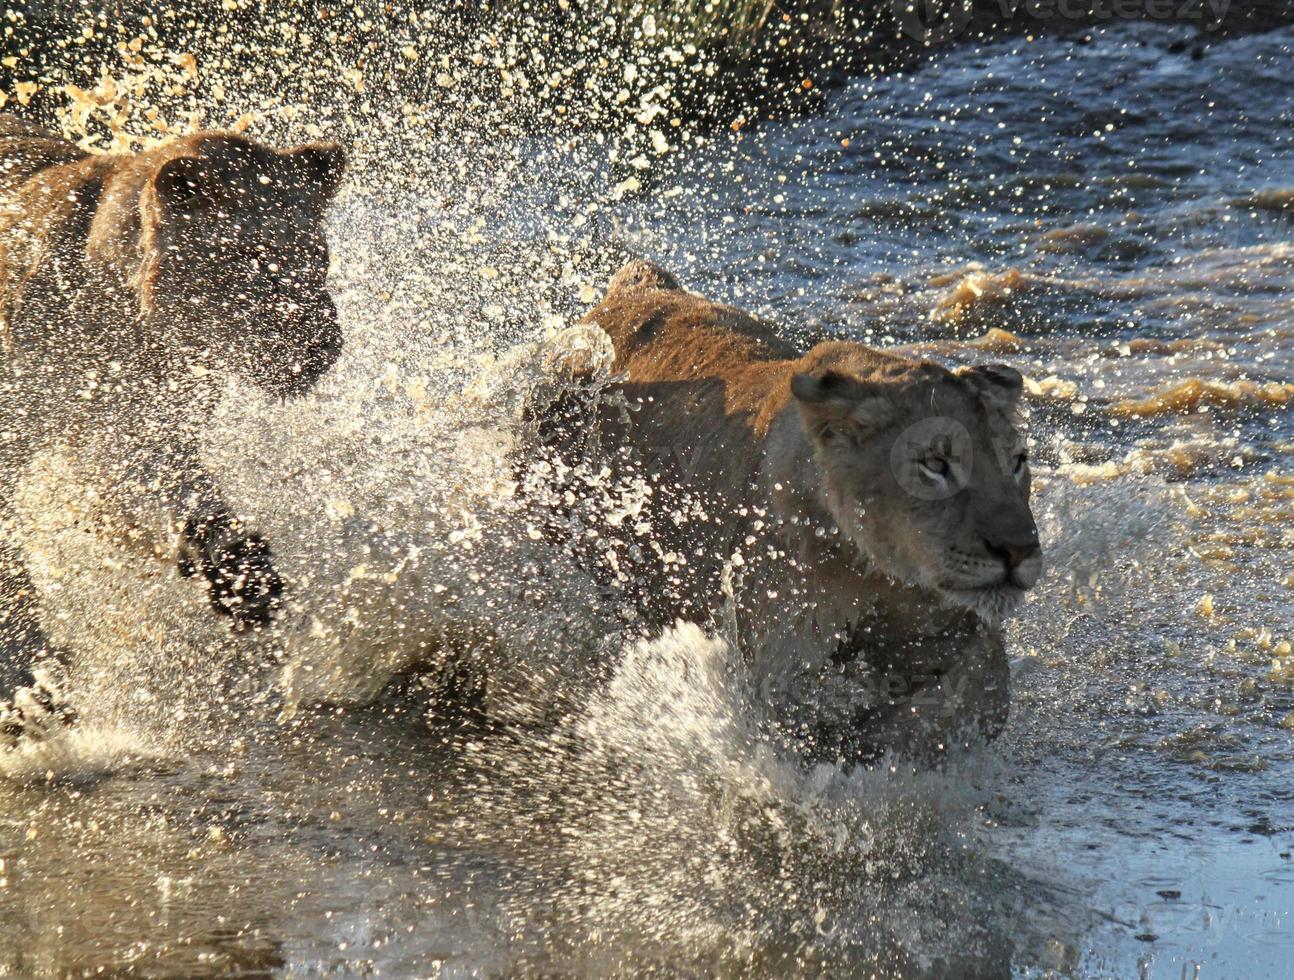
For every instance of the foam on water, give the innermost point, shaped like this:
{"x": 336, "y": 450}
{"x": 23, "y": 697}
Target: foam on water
{"x": 394, "y": 516}
{"x": 81, "y": 754}
{"x": 406, "y": 537}
{"x": 664, "y": 814}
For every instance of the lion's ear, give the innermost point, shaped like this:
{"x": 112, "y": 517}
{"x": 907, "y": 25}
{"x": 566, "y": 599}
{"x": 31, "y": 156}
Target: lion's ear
{"x": 318, "y": 165}
{"x": 832, "y": 403}
{"x": 181, "y": 183}
{"x": 641, "y": 274}
{"x": 999, "y": 384}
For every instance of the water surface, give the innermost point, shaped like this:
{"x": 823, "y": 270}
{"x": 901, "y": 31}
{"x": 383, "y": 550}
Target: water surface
{"x": 1111, "y": 217}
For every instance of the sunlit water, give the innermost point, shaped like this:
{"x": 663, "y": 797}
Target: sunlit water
{"x": 1114, "y": 219}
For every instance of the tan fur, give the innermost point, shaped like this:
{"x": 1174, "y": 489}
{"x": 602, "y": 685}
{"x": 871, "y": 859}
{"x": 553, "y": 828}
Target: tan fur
{"x": 131, "y": 287}
{"x": 144, "y": 256}
{"x": 781, "y": 490}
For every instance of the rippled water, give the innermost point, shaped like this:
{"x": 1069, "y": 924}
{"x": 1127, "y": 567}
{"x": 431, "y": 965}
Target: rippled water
{"x": 1114, "y": 218}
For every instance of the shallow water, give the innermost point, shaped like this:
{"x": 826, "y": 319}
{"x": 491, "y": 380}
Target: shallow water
{"x": 1110, "y": 217}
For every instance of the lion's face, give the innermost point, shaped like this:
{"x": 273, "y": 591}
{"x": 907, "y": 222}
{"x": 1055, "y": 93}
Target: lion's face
{"x": 927, "y": 472}
{"x": 243, "y": 262}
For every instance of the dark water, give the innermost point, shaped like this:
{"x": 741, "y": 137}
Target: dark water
{"x": 1113, "y": 218}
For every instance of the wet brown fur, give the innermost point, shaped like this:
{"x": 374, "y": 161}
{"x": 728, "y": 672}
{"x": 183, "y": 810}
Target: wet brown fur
{"x": 738, "y": 464}
{"x": 131, "y": 285}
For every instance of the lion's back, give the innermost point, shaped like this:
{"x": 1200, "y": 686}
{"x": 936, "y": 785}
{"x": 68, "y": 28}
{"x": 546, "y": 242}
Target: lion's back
{"x": 56, "y": 319}
{"x": 26, "y": 150}
{"x": 49, "y": 195}
{"x": 663, "y": 332}
{"x": 701, "y": 381}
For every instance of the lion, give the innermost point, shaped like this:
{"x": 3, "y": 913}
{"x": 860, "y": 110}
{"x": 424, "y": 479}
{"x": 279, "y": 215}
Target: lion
{"x": 859, "y": 520}
{"x": 131, "y": 287}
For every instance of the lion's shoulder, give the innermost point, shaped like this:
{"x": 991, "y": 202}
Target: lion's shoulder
{"x": 27, "y": 149}
{"x": 663, "y": 331}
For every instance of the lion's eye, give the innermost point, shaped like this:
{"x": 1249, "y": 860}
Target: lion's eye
{"x": 936, "y": 466}
{"x": 1021, "y": 461}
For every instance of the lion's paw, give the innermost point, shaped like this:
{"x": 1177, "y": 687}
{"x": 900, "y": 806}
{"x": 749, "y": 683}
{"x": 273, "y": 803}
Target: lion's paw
{"x": 242, "y": 581}
{"x": 35, "y": 712}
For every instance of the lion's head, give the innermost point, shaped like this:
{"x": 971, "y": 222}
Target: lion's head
{"x": 926, "y": 470}
{"x": 228, "y": 258}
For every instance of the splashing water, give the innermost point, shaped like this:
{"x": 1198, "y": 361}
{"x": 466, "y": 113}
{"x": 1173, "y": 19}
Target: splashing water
{"x": 207, "y": 816}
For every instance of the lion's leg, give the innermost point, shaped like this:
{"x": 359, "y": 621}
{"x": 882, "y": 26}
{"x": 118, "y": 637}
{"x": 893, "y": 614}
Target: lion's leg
{"x": 31, "y": 698}
{"x": 19, "y": 630}
{"x": 963, "y": 702}
{"x": 986, "y": 690}
{"x": 924, "y": 708}
{"x": 138, "y": 462}
{"x": 242, "y": 582}
{"x": 21, "y": 638}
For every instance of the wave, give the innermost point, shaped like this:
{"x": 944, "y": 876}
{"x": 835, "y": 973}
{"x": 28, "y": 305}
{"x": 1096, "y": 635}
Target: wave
{"x": 1268, "y": 199}
{"x": 1196, "y": 394}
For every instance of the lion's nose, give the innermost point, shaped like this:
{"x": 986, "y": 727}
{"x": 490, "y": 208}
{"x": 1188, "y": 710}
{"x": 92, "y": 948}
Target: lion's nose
{"x": 1015, "y": 555}
{"x": 1022, "y": 558}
